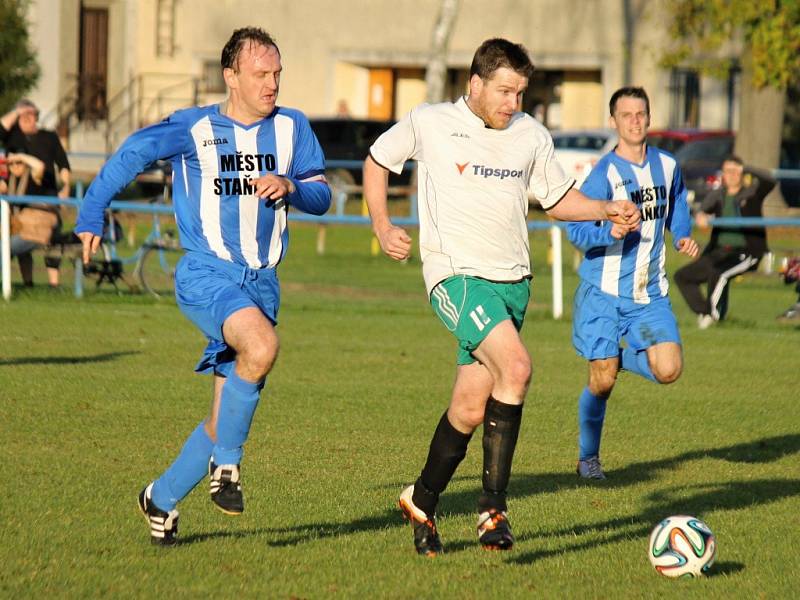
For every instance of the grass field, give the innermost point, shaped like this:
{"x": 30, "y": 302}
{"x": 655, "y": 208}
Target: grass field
{"x": 98, "y": 395}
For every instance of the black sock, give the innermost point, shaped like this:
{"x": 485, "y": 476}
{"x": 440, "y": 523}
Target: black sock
{"x": 500, "y": 430}
{"x": 448, "y": 449}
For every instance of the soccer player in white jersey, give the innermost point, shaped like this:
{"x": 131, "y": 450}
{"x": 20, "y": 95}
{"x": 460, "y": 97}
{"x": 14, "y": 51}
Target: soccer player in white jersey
{"x": 623, "y": 288}
{"x": 477, "y": 159}
{"x": 237, "y": 167}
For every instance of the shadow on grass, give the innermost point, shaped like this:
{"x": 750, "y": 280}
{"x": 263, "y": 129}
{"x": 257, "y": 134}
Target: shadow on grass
{"x": 731, "y": 495}
{"x": 63, "y": 360}
{"x": 725, "y": 568}
{"x": 709, "y": 497}
{"x": 759, "y": 451}
{"x": 303, "y": 533}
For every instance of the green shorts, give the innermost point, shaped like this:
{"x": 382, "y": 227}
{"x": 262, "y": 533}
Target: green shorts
{"x": 470, "y": 307}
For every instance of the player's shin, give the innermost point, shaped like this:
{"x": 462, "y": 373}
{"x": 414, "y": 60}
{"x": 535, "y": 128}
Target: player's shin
{"x": 238, "y": 404}
{"x": 448, "y": 448}
{"x": 591, "y": 414}
{"x": 500, "y": 431}
{"x": 185, "y": 473}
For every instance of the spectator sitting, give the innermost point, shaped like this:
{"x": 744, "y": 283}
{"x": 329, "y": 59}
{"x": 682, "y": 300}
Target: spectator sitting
{"x": 731, "y": 251}
{"x": 791, "y": 274}
{"x": 32, "y": 226}
{"x": 20, "y": 133}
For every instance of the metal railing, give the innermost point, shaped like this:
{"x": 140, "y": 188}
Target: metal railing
{"x": 340, "y": 197}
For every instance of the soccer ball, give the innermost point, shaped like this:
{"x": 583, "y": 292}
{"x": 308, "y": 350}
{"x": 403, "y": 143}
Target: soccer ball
{"x": 682, "y": 546}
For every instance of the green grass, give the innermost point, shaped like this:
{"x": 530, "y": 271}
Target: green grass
{"x": 98, "y": 395}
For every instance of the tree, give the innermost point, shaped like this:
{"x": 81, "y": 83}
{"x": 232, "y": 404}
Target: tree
{"x": 440, "y": 40}
{"x": 767, "y": 33}
{"x": 19, "y": 70}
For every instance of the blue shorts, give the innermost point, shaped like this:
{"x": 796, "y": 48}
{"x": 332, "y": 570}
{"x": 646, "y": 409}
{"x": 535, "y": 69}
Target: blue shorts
{"x": 600, "y": 321}
{"x": 209, "y": 290}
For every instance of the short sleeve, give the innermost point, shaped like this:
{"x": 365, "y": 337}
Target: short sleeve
{"x": 596, "y": 184}
{"x": 399, "y": 143}
{"x": 548, "y": 182}
{"x": 308, "y": 160}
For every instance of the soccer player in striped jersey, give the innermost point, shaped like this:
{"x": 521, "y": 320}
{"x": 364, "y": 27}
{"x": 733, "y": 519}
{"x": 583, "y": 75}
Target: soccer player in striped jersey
{"x": 623, "y": 289}
{"x": 237, "y": 167}
{"x": 477, "y": 159}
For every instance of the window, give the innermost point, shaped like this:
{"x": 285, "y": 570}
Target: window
{"x": 685, "y": 98}
{"x": 213, "y": 83}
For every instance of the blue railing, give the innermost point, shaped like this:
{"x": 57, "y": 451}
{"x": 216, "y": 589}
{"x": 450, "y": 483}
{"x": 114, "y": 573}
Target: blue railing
{"x": 151, "y": 207}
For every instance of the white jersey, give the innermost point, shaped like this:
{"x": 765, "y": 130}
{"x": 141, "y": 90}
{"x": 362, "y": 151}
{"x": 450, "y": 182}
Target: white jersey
{"x": 472, "y": 188}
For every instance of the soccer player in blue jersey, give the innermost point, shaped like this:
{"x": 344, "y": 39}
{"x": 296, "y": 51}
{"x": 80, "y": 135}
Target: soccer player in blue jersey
{"x": 623, "y": 289}
{"x": 237, "y": 167}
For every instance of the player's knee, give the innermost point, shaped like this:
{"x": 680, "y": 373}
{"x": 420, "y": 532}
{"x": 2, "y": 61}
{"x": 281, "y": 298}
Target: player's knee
{"x": 468, "y": 417}
{"x": 667, "y": 371}
{"x": 258, "y": 358}
{"x": 518, "y": 372}
{"x": 601, "y": 383}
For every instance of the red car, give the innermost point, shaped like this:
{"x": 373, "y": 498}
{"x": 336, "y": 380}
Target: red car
{"x": 699, "y": 153}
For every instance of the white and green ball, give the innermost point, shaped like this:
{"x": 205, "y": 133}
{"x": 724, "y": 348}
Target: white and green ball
{"x": 682, "y": 546}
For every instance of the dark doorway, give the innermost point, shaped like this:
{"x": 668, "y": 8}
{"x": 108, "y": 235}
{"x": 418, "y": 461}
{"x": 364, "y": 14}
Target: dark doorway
{"x": 94, "y": 64}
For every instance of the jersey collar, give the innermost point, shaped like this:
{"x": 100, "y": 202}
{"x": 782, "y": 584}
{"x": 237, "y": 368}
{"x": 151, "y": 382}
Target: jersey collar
{"x": 470, "y": 116}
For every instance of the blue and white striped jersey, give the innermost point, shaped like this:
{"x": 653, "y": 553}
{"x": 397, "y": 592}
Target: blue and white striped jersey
{"x": 215, "y": 159}
{"x": 633, "y": 267}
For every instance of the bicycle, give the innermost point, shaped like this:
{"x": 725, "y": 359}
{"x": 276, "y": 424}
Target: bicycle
{"x": 154, "y": 261}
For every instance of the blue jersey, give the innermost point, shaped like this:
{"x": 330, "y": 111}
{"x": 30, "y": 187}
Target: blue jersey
{"x": 215, "y": 160}
{"x": 633, "y": 267}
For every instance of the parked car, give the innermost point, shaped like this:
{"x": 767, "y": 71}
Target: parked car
{"x": 578, "y": 151}
{"x": 347, "y": 139}
{"x": 699, "y": 153}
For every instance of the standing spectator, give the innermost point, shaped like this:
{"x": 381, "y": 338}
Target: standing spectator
{"x": 731, "y": 251}
{"x": 20, "y": 132}
{"x": 32, "y": 226}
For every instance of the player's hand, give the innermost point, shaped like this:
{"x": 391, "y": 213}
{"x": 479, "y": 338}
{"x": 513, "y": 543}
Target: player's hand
{"x": 625, "y": 213}
{"x": 688, "y": 246}
{"x": 90, "y": 242}
{"x": 273, "y": 187}
{"x": 618, "y": 231}
{"x": 395, "y": 242}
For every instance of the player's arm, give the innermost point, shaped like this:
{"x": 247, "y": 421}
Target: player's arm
{"x": 390, "y": 152}
{"x": 394, "y": 241}
{"x": 679, "y": 220}
{"x": 304, "y": 187}
{"x": 558, "y": 196}
{"x": 160, "y": 141}
{"x": 575, "y": 206}
{"x": 586, "y": 235}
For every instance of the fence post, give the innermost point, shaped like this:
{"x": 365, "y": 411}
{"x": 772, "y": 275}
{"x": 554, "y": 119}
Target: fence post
{"x": 79, "y": 276}
{"x": 558, "y": 284}
{"x": 321, "y": 238}
{"x": 5, "y": 251}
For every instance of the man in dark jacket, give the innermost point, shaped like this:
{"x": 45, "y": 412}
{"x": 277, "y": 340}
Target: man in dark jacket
{"x": 731, "y": 250}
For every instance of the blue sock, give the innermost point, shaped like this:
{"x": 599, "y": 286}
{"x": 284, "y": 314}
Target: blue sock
{"x": 186, "y": 472}
{"x": 591, "y": 413}
{"x": 236, "y": 409}
{"x": 636, "y": 362}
